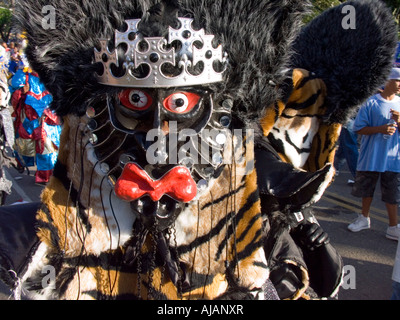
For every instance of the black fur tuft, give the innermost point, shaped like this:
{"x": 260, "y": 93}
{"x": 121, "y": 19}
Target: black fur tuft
{"x": 63, "y": 56}
{"x": 257, "y": 35}
{"x": 159, "y": 18}
{"x": 354, "y": 63}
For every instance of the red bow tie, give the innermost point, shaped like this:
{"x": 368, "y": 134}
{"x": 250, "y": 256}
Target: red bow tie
{"x": 134, "y": 182}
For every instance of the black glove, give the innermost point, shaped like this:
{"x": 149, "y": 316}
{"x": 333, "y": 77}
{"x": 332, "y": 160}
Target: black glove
{"x": 310, "y": 235}
{"x": 323, "y": 262}
{"x": 287, "y": 280}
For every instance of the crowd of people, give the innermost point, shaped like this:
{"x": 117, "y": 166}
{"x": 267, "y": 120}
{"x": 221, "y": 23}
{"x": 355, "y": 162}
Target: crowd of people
{"x": 36, "y": 129}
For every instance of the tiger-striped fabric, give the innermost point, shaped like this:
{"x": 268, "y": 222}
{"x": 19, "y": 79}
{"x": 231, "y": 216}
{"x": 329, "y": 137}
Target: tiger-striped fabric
{"x": 296, "y": 129}
{"x": 84, "y": 231}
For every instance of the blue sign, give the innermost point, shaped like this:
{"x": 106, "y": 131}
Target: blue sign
{"x": 397, "y": 56}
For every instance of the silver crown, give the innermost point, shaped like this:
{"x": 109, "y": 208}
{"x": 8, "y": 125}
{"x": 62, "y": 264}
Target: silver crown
{"x": 159, "y": 52}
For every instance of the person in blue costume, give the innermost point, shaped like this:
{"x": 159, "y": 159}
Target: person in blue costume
{"x": 37, "y": 128}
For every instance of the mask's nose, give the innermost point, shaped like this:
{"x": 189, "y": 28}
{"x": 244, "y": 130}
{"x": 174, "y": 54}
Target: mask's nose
{"x": 159, "y": 122}
{"x": 157, "y": 151}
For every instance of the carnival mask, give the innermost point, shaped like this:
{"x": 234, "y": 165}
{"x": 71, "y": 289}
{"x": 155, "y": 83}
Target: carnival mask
{"x": 172, "y": 131}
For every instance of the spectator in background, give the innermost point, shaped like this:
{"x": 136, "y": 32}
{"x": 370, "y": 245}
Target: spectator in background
{"x": 5, "y": 46}
{"x": 347, "y": 150}
{"x": 12, "y": 48}
{"x": 379, "y": 155}
{"x": 15, "y": 58}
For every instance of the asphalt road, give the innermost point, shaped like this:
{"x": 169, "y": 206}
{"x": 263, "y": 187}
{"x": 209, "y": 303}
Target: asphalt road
{"x": 368, "y": 256}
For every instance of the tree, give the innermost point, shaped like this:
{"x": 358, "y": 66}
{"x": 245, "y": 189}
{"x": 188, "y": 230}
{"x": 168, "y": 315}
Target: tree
{"x": 5, "y": 23}
{"x": 6, "y": 17}
{"x": 318, "y": 6}
{"x": 395, "y": 6}
{"x": 7, "y": 3}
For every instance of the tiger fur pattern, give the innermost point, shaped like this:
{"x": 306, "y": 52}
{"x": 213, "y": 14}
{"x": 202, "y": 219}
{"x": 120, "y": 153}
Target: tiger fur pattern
{"x": 215, "y": 247}
{"x": 219, "y": 233}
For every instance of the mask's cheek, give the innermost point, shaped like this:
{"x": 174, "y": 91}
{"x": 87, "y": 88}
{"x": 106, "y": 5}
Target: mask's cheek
{"x": 127, "y": 122}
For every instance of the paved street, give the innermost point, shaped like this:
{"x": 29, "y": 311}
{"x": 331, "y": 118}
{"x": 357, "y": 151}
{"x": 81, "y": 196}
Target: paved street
{"x": 368, "y": 255}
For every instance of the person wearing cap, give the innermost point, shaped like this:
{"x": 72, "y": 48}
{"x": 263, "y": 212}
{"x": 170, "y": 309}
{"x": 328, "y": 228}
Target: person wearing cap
{"x": 378, "y": 121}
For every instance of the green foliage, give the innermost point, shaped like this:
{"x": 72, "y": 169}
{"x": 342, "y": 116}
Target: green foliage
{"x": 7, "y": 3}
{"x": 5, "y": 23}
{"x": 318, "y": 6}
{"x": 395, "y": 6}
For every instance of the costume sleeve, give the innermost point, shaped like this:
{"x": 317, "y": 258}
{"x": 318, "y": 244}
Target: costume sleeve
{"x": 18, "y": 80}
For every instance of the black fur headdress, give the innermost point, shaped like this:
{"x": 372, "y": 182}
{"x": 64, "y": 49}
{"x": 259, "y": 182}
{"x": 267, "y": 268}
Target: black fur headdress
{"x": 256, "y": 34}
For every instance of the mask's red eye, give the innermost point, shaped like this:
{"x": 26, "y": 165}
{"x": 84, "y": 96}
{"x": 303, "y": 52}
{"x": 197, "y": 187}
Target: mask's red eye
{"x": 135, "y": 99}
{"x": 181, "y": 102}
